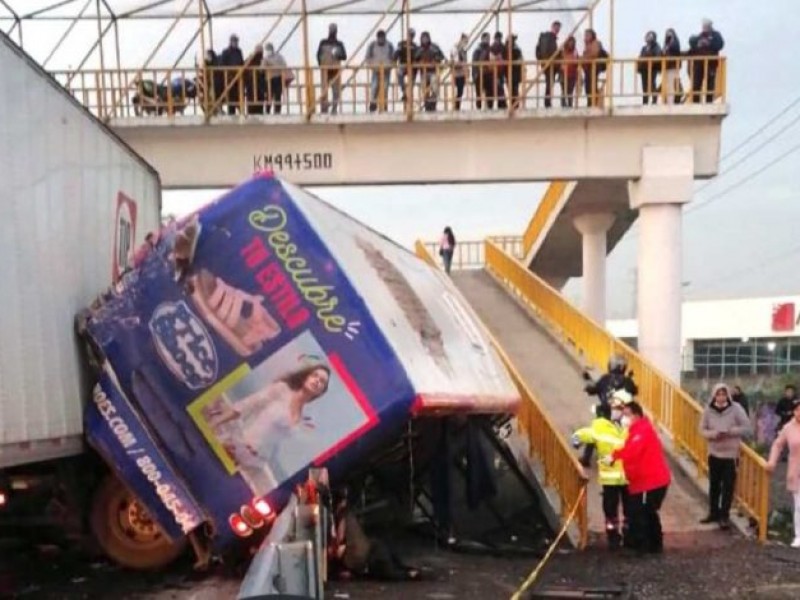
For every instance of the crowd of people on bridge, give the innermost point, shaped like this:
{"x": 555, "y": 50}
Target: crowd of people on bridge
{"x": 496, "y": 69}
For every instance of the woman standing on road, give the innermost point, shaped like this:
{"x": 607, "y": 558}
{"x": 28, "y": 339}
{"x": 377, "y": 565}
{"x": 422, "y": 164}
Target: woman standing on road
{"x": 790, "y": 436}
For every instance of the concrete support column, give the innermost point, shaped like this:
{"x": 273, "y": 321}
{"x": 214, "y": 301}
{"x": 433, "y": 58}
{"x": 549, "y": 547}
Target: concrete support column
{"x": 594, "y": 228}
{"x": 659, "y": 196}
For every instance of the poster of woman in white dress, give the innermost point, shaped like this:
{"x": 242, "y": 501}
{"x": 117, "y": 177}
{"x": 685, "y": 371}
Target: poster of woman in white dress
{"x": 271, "y": 422}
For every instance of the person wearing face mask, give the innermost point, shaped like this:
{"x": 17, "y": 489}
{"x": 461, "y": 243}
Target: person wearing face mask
{"x": 617, "y": 378}
{"x": 608, "y": 435}
{"x": 648, "y": 475}
{"x": 649, "y": 66}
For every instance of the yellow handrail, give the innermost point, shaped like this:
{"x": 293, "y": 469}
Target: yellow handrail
{"x": 542, "y": 215}
{"x": 562, "y": 471}
{"x": 469, "y": 253}
{"x": 95, "y": 88}
{"x": 670, "y": 406}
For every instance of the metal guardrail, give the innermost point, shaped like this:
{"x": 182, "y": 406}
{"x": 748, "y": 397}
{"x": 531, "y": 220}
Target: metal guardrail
{"x": 469, "y": 254}
{"x": 307, "y": 91}
{"x": 542, "y": 215}
{"x": 670, "y": 406}
{"x": 561, "y": 469}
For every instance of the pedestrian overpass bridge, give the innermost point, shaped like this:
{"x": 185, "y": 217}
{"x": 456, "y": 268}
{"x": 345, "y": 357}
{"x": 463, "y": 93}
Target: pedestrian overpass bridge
{"x": 610, "y": 160}
{"x": 546, "y": 343}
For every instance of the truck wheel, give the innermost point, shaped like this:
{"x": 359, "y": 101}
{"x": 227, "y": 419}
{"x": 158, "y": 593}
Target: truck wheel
{"x": 126, "y": 533}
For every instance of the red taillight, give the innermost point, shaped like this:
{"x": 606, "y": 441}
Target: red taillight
{"x": 262, "y": 507}
{"x": 239, "y": 526}
{"x": 251, "y": 516}
{"x": 3, "y": 499}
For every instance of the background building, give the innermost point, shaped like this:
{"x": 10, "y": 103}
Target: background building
{"x": 734, "y": 338}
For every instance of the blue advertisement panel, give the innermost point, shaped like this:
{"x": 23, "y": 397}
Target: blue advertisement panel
{"x": 122, "y": 439}
{"x": 242, "y": 343}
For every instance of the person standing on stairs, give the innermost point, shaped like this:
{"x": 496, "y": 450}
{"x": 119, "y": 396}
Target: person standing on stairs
{"x": 607, "y": 434}
{"x": 723, "y": 424}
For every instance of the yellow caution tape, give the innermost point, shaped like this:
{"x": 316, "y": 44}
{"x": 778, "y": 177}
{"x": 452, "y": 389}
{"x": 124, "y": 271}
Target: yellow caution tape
{"x": 535, "y": 573}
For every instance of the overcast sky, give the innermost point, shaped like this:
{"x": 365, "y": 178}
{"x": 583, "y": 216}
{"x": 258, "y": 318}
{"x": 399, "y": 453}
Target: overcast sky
{"x": 743, "y": 243}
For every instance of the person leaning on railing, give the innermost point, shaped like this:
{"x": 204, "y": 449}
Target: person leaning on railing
{"x": 498, "y": 57}
{"x": 379, "y": 58}
{"x": 480, "y": 72}
{"x": 546, "y": 52}
{"x": 255, "y": 82}
{"x": 459, "y": 67}
{"x": 278, "y": 76}
{"x": 211, "y": 82}
{"x": 427, "y": 59}
{"x": 231, "y": 59}
{"x": 406, "y": 50}
{"x": 517, "y": 65}
{"x": 594, "y": 64}
{"x": 649, "y": 67}
{"x": 568, "y": 63}
{"x": 330, "y": 55}
{"x": 671, "y": 78}
{"x": 704, "y": 48}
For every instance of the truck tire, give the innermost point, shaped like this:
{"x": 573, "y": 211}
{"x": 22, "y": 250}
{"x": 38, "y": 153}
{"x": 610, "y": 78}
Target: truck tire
{"x": 125, "y": 531}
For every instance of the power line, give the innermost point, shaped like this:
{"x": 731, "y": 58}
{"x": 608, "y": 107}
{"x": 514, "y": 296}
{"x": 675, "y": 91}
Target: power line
{"x": 756, "y": 150}
{"x": 743, "y": 180}
{"x": 755, "y": 134}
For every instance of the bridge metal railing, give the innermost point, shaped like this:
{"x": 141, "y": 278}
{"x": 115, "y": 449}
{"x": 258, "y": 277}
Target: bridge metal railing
{"x": 560, "y": 467}
{"x": 671, "y": 407}
{"x": 470, "y": 254}
{"x": 497, "y": 86}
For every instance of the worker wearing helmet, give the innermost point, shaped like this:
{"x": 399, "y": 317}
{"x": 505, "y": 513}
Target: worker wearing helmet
{"x": 608, "y": 435}
{"x": 617, "y": 378}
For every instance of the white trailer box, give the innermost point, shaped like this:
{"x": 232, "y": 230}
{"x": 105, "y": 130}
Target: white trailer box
{"x": 74, "y": 202}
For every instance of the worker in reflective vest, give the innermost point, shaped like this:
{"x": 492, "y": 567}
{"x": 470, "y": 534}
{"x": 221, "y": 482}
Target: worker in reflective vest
{"x": 608, "y": 435}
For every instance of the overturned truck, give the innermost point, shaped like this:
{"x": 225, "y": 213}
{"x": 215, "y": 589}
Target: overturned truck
{"x": 263, "y": 335}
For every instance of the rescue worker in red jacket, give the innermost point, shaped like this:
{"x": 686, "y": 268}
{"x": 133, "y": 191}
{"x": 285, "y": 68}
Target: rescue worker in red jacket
{"x": 648, "y": 478}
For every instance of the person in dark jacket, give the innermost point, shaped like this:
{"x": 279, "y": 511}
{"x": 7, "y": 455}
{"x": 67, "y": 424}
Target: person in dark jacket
{"x": 648, "y": 476}
{"x": 671, "y": 77}
{"x": 649, "y": 67}
{"x": 738, "y": 396}
{"x": 428, "y": 56}
{"x": 546, "y": 53}
{"x": 404, "y": 53}
{"x": 330, "y": 55}
{"x": 213, "y": 81}
{"x": 515, "y": 52}
{"x": 231, "y": 59}
{"x": 255, "y": 83}
{"x": 481, "y": 74}
{"x": 617, "y": 378}
{"x": 704, "y": 47}
{"x": 499, "y": 58}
